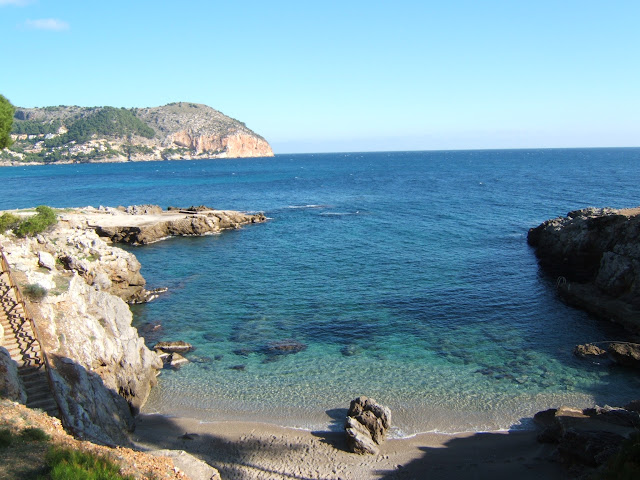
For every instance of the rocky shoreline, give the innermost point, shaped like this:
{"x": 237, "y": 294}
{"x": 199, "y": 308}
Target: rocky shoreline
{"x": 594, "y": 254}
{"x": 102, "y": 370}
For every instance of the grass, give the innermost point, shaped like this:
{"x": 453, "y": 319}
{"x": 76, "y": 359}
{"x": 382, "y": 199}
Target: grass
{"x": 29, "y": 434}
{"x": 68, "y": 464}
{"x": 27, "y": 455}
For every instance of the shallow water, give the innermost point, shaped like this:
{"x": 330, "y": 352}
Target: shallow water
{"x": 406, "y": 276}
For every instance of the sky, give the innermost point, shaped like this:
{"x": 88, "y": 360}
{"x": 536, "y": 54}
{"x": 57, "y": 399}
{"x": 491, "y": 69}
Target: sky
{"x": 344, "y": 76}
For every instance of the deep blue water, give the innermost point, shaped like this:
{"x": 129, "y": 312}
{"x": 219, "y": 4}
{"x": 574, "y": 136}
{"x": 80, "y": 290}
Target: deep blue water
{"x": 406, "y": 275}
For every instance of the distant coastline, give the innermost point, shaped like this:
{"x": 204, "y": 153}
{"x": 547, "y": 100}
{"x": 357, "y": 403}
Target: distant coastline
{"x": 67, "y": 134}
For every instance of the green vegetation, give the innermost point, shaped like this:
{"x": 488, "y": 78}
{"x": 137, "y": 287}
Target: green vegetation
{"x": 43, "y": 219}
{"x": 8, "y": 221}
{"x": 107, "y": 121}
{"x": 67, "y": 464}
{"x": 34, "y": 434}
{"x": 35, "y": 292}
{"x": 29, "y": 434}
{"x": 129, "y": 150}
{"x": 6, "y": 121}
{"x": 34, "y": 127}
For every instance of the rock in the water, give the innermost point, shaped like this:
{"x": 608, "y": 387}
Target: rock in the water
{"x": 359, "y": 438}
{"x": 587, "y": 350}
{"x": 627, "y": 354}
{"x": 367, "y": 425}
{"x": 175, "y": 360}
{"x": 284, "y": 347}
{"x": 172, "y": 347}
{"x": 595, "y": 255}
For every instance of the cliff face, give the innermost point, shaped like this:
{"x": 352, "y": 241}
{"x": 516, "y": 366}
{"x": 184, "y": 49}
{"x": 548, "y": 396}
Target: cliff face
{"x": 102, "y": 369}
{"x": 91, "y": 134}
{"x": 595, "y": 253}
{"x": 103, "y": 372}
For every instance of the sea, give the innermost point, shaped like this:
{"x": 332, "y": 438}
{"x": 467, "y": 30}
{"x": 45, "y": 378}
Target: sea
{"x": 403, "y": 276}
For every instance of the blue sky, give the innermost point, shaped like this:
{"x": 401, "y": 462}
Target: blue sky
{"x": 344, "y": 76}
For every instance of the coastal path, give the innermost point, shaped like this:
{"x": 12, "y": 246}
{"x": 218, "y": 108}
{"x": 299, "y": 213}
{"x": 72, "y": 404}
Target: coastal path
{"x": 21, "y": 341}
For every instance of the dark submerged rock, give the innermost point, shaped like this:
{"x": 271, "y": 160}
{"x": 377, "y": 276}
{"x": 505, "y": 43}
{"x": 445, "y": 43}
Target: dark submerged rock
{"x": 284, "y": 347}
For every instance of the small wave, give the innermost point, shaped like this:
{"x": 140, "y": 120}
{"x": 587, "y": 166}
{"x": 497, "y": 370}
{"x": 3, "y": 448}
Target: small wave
{"x": 339, "y": 214}
{"x": 307, "y": 206}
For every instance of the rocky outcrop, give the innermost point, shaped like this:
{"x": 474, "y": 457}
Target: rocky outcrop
{"x": 103, "y": 371}
{"x": 588, "y": 350}
{"x": 590, "y": 436}
{"x": 627, "y": 354}
{"x": 595, "y": 255}
{"x": 194, "y": 468}
{"x": 149, "y": 228}
{"x": 367, "y": 425}
{"x": 11, "y": 386}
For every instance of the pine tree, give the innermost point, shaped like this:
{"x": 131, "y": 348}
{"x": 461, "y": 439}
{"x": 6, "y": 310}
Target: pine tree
{"x": 6, "y": 121}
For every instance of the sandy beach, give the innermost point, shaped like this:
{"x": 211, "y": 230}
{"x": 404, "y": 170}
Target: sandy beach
{"x": 246, "y": 451}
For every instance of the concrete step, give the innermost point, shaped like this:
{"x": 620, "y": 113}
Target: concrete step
{"x": 45, "y": 404}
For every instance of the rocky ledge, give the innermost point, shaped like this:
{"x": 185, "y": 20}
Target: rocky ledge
{"x": 139, "y": 225}
{"x": 588, "y": 437}
{"x": 595, "y": 255}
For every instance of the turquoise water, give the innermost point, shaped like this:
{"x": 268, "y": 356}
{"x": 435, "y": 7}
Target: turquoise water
{"x": 405, "y": 275}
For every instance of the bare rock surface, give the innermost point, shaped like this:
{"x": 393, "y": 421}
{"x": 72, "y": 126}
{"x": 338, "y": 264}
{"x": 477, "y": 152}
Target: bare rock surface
{"x": 595, "y": 254}
{"x": 624, "y": 353}
{"x": 103, "y": 371}
{"x": 588, "y": 436}
{"x": 194, "y": 468}
{"x": 11, "y": 386}
{"x": 148, "y": 225}
{"x": 588, "y": 350}
{"x": 367, "y": 425}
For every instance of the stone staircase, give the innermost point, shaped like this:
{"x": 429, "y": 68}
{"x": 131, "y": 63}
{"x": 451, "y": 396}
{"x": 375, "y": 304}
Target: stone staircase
{"x": 20, "y": 340}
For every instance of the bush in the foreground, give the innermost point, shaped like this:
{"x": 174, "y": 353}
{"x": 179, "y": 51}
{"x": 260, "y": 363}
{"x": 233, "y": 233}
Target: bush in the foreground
{"x": 68, "y": 464}
{"x": 43, "y": 219}
{"x": 35, "y": 292}
{"x": 8, "y": 221}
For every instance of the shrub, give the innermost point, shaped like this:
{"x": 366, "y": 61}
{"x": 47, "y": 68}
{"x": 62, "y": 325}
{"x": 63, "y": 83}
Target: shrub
{"x": 8, "y": 221}
{"x": 33, "y": 434}
{"x": 43, "y": 219}
{"x": 6, "y": 438}
{"x": 35, "y": 291}
{"x": 67, "y": 464}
